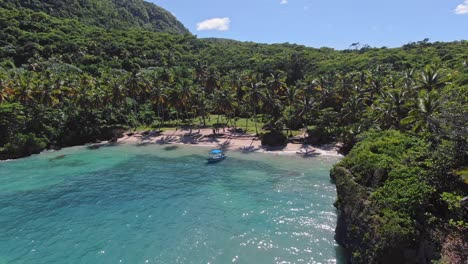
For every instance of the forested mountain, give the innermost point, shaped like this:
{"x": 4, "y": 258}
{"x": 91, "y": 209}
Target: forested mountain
{"x": 68, "y": 76}
{"x": 110, "y": 14}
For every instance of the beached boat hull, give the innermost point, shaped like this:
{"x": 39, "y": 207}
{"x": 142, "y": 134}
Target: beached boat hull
{"x": 216, "y": 155}
{"x": 215, "y": 159}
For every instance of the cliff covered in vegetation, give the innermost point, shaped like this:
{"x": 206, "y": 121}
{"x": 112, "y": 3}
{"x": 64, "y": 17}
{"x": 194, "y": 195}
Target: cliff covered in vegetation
{"x": 399, "y": 201}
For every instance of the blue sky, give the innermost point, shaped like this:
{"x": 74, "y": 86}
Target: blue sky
{"x": 324, "y": 23}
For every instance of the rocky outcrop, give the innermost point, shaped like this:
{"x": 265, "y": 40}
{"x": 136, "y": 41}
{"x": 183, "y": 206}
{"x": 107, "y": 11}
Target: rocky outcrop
{"x": 358, "y": 230}
{"x": 351, "y": 205}
{"x": 387, "y": 212}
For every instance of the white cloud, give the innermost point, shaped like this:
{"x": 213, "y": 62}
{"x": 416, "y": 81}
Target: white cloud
{"x": 284, "y": 2}
{"x": 462, "y": 9}
{"x": 221, "y": 24}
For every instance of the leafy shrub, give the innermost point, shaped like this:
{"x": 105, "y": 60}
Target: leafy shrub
{"x": 24, "y": 145}
{"x": 12, "y": 120}
{"x": 391, "y": 167}
{"x": 403, "y": 195}
{"x": 274, "y": 139}
{"x": 378, "y": 153}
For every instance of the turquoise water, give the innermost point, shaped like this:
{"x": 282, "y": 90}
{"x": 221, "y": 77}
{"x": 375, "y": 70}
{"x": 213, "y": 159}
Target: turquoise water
{"x": 148, "y": 204}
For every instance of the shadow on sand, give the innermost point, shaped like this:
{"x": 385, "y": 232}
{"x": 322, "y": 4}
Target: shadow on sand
{"x": 166, "y": 140}
{"x": 225, "y": 145}
{"x": 191, "y": 138}
{"x": 248, "y": 149}
{"x": 209, "y": 139}
{"x": 307, "y": 151}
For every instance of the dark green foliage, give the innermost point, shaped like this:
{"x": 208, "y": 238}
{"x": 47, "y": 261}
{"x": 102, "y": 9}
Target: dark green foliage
{"x": 372, "y": 160}
{"x": 274, "y": 139}
{"x": 401, "y": 180}
{"x": 12, "y": 121}
{"x": 21, "y": 145}
{"x": 30, "y": 36}
{"x": 111, "y": 14}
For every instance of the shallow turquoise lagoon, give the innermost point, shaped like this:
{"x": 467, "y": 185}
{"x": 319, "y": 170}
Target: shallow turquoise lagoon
{"x": 151, "y": 204}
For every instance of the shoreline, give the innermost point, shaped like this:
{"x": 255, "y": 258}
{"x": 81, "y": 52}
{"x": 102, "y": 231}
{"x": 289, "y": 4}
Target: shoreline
{"x": 226, "y": 140}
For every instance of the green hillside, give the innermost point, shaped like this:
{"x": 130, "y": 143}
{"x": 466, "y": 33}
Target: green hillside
{"x": 110, "y": 14}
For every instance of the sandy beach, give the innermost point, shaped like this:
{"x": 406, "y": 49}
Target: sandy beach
{"x": 226, "y": 140}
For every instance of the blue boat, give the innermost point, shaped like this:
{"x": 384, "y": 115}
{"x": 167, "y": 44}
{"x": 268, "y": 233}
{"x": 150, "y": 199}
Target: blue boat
{"x": 216, "y": 155}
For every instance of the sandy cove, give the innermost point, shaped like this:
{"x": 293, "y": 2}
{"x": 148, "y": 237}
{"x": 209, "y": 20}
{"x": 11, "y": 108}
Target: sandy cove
{"x": 224, "y": 140}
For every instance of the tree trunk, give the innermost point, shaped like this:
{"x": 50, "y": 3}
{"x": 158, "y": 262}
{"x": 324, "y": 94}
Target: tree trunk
{"x": 246, "y": 124}
{"x": 255, "y": 120}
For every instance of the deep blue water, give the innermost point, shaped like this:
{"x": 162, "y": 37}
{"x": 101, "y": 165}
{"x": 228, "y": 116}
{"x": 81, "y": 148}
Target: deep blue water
{"x": 132, "y": 204}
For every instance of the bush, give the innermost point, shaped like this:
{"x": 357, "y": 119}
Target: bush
{"x": 379, "y": 153}
{"x": 274, "y": 139}
{"x": 319, "y": 135}
{"x": 23, "y": 145}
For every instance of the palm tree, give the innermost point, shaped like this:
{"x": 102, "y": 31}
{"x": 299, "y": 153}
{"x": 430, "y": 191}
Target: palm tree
{"x": 308, "y": 90}
{"x": 255, "y": 95}
{"x": 83, "y": 92}
{"x": 345, "y": 85}
{"x": 23, "y": 90}
{"x": 422, "y": 118}
{"x": 134, "y": 85}
{"x": 276, "y": 83}
{"x": 431, "y": 79}
{"x": 47, "y": 95}
{"x": 397, "y": 99}
{"x": 115, "y": 82}
{"x": 292, "y": 96}
{"x": 223, "y": 102}
{"x": 201, "y": 104}
{"x": 50, "y": 89}
{"x": 212, "y": 81}
{"x": 5, "y": 91}
{"x": 272, "y": 107}
{"x": 325, "y": 85}
{"x": 361, "y": 79}
{"x": 376, "y": 87}
{"x": 181, "y": 97}
{"x": 200, "y": 71}
{"x": 236, "y": 83}
{"x": 408, "y": 79}
{"x": 158, "y": 97}
{"x": 352, "y": 109}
